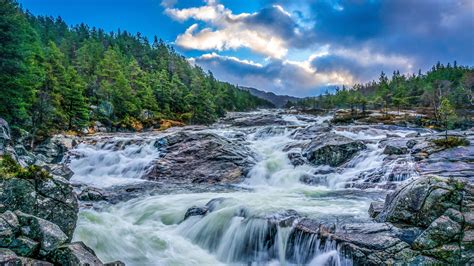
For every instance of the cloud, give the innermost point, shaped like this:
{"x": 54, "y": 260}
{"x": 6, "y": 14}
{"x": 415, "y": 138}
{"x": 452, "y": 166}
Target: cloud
{"x": 268, "y": 32}
{"x": 296, "y": 78}
{"x": 344, "y": 41}
{"x": 231, "y": 38}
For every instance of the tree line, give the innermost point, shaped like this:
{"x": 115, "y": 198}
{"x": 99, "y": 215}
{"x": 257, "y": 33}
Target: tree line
{"x": 55, "y": 78}
{"x": 431, "y": 93}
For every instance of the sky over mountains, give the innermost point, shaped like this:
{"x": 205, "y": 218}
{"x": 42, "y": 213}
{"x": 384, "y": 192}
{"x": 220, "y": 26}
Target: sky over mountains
{"x": 291, "y": 47}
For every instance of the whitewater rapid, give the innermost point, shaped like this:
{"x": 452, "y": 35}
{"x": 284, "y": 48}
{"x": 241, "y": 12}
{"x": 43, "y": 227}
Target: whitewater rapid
{"x": 150, "y": 230}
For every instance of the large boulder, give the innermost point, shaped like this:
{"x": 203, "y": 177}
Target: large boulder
{"x": 41, "y": 195}
{"x": 28, "y": 235}
{"x": 76, "y": 253}
{"x": 422, "y": 201}
{"x": 47, "y": 234}
{"x": 396, "y": 146}
{"x": 252, "y": 120}
{"x": 200, "y": 158}
{"x": 52, "y": 150}
{"x": 332, "y": 149}
{"x": 442, "y": 209}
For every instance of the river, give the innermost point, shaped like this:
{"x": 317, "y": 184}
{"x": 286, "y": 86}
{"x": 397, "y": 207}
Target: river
{"x": 149, "y": 229}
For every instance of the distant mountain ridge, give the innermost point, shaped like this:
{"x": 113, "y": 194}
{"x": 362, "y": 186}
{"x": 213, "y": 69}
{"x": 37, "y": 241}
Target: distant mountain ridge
{"x": 278, "y": 100}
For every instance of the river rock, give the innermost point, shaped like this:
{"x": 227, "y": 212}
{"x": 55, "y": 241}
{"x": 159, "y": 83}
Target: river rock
{"x": 442, "y": 230}
{"x": 28, "y": 235}
{"x": 48, "y": 198}
{"x": 61, "y": 170}
{"x": 47, "y": 234}
{"x": 201, "y": 158}
{"x": 251, "y": 120}
{"x": 269, "y": 132}
{"x": 92, "y": 194}
{"x": 422, "y": 200}
{"x": 332, "y": 149}
{"x": 310, "y": 132}
{"x": 53, "y": 149}
{"x": 201, "y": 211}
{"x": 76, "y": 253}
{"x": 438, "y": 207}
{"x": 195, "y": 211}
{"x": 395, "y": 147}
{"x": 375, "y": 208}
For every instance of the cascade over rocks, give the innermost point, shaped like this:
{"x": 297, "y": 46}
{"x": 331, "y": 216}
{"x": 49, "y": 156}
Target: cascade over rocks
{"x": 332, "y": 149}
{"x": 200, "y": 158}
{"x": 428, "y": 220}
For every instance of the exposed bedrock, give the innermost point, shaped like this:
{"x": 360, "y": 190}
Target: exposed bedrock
{"x": 200, "y": 158}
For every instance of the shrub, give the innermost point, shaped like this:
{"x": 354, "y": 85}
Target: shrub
{"x": 451, "y": 142}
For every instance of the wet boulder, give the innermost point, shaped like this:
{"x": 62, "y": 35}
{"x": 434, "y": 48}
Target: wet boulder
{"x": 92, "y": 194}
{"x": 201, "y": 158}
{"x": 76, "y": 253}
{"x": 296, "y": 158}
{"x": 195, "y": 211}
{"x": 269, "y": 131}
{"x": 201, "y": 211}
{"x": 43, "y": 196}
{"x": 252, "y": 120}
{"x": 395, "y": 147}
{"x": 284, "y": 218}
{"x": 332, "y": 149}
{"x": 310, "y": 132}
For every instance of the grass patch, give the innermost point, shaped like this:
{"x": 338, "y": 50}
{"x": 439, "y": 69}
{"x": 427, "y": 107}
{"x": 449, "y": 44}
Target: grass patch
{"x": 9, "y": 168}
{"x": 451, "y": 142}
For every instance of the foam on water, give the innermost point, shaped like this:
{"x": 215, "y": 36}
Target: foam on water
{"x": 117, "y": 162}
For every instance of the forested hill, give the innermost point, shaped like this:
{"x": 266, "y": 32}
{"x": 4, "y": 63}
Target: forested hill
{"x": 278, "y": 100}
{"x": 54, "y": 77}
{"x": 450, "y": 83}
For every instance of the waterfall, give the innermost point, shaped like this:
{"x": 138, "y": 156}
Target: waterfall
{"x": 240, "y": 227}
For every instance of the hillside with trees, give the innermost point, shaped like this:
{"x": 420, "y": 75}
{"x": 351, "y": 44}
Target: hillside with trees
{"x": 57, "y": 78}
{"x": 443, "y": 85}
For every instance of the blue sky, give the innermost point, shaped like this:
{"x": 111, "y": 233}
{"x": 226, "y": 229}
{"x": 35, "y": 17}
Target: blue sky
{"x": 290, "y": 47}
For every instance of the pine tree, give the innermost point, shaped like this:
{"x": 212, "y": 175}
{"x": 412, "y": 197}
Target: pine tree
{"x": 74, "y": 103}
{"x": 20, "y": 72}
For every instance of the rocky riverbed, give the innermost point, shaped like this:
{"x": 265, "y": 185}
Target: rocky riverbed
{"x": 266, "y": 187}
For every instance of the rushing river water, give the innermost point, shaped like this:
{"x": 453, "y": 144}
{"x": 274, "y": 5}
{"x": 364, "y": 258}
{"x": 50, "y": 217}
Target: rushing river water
{"x": 150, "y": 230}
